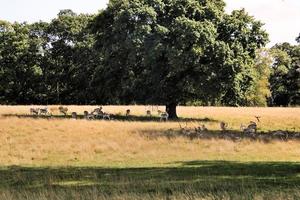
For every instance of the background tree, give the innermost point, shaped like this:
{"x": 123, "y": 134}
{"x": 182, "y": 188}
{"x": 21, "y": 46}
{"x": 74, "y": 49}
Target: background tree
{"x": 260, "y": 92}
{"x": 19, "y": 69}
{"x": 71, "y": 58}
{"x": 48, "y": 63}
{"x": 285, "y": 81}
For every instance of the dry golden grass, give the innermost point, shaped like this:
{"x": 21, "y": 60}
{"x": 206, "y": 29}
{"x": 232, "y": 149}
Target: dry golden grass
{"x": 57, "y": 142}
{"x": 271, "y": 118}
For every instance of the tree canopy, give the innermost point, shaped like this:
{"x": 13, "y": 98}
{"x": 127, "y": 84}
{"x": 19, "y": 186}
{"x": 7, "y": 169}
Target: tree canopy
{"x": 170, "y": 52}
{"x": 166, "y": 52}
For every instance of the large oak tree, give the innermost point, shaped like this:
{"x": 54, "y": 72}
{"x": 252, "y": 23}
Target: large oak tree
{"x": 173, "y": 51}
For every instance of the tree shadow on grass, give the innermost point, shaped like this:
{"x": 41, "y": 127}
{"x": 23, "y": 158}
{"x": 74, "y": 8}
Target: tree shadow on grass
{"x": 193, "y": 176}
{"x": 131, "y": 118}
{"x": 231, "y": 135}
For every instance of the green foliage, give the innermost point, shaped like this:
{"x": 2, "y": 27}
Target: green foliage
{"x": 244, "y": 36}
{"x": 285, "y": 76}
{"x": 48, "y": 63}
{"x": 19, "y": 69}
{"x": 71, "y": 59}
{"x": 147, "y": 52}
{"x": 261, "y": 88}
{"x": 171, "y": 52}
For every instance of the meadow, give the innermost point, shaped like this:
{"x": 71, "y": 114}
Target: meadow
{"x": 137, "y": 157}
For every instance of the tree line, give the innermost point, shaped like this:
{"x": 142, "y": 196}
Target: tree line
{"x": 188, "y": 52}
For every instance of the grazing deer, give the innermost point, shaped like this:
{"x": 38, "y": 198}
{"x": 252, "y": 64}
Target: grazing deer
{"x": 128, "y": 112}
{"x": 63, "y": 110}
{"x": 43, "y": 111}
{"x": 223, "y": 126}
{"x": 88, "y": 116}
{"x": 148, "y": 112}
{"x": 164, "y": 116}
{"x": 34, "y": 111}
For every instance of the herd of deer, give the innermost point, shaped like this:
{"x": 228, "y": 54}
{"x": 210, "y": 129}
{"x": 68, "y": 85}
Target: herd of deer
{"x": 250, "y": 128}
{"x": 45, "y": 111}
{"x": 97, "y": 113}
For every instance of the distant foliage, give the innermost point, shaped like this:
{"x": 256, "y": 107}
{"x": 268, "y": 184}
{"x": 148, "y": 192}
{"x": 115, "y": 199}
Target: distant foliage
{"x": 260, "y": 91}
{"x": 47, "y": 63}
{"x": 285, "y": 75}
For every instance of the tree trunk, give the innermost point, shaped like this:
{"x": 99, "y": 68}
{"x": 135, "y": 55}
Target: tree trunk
{"x": 171, "y": 110}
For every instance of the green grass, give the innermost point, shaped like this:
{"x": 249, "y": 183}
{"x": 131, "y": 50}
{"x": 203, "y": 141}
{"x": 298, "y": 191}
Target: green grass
{"x": 190, "y": 180}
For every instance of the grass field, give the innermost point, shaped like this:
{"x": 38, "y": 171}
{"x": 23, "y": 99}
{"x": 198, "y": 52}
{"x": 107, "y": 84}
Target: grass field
{"x": 134, "y": 157}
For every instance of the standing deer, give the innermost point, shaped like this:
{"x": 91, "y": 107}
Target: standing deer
{"x": 128, "y": 112}
{"x": 257, "y": 118}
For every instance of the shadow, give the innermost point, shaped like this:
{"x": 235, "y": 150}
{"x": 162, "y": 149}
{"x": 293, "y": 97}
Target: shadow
{"x": 231, "y": 135}
{"x": 131, "y": 118}
{"x": 193, "y": 177}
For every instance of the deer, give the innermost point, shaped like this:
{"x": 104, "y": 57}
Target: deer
{"x": 53, "y": 110}
{"x": 242, "y": 127}
{"x": 88, "y": 116}
{"x": 106, "y": 116}
{"x": 148, "y": 112}
{"x": 44, "y": 111}
{"x": 63, "y": 110}
{"x": 74, "y": 115}
{"x": 164, "y": 116}
{"x": 252, "y": 125}
{"x": 252, "y": 128}
{"x": 223, "y": 126}
{"x": 34, "y": 111}
{"x": 257, "y": 118}
{"x": 203, "y": 128}
{"x": 127, "y": 112}
{"x": 97, "y": 112}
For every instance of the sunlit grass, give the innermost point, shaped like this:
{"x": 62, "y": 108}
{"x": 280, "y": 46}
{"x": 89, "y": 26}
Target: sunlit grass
{"x": 26, "y": 141}
{"x": 60, "y": 158}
